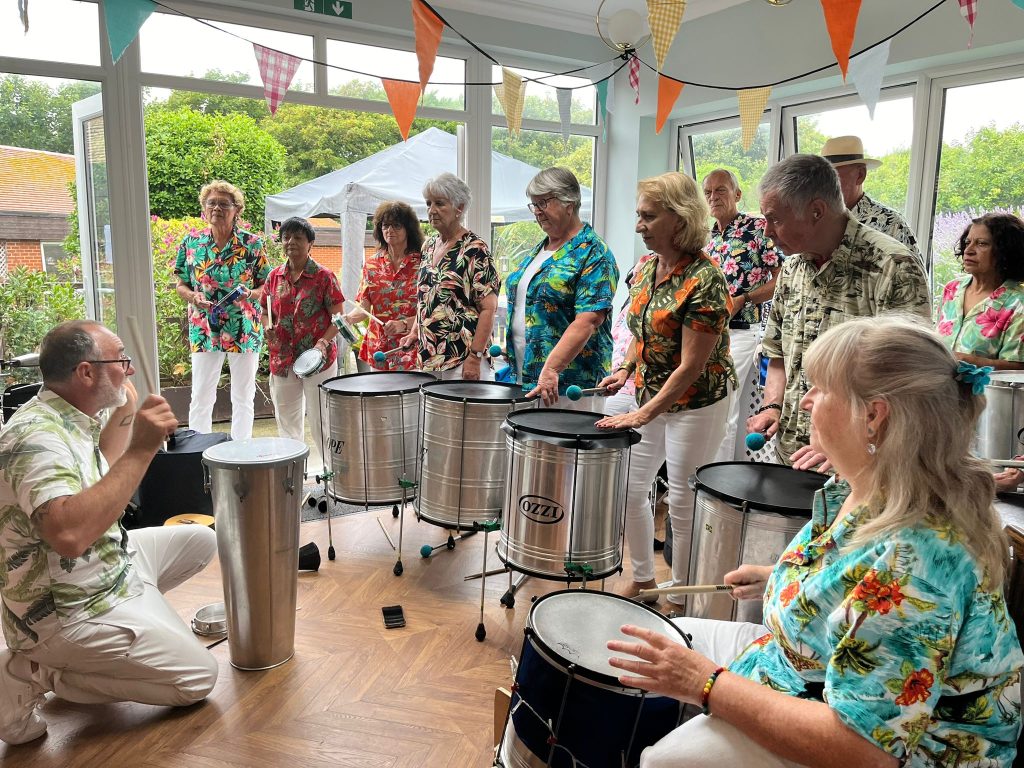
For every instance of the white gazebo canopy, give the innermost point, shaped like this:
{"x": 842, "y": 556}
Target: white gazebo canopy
{"x": 398, "y": 173}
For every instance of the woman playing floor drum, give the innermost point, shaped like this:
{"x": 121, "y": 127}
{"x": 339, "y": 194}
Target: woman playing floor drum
{"x": 887, "y": 639}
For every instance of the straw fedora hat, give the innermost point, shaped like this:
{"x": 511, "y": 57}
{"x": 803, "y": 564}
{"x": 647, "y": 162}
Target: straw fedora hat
{"x": 847, "y": 150}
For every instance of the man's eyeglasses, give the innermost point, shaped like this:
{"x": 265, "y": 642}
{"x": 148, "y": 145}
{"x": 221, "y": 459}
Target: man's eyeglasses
{"x": 124, "y": 362}
{"x": 541, "y": 206}
{"x": 215, "y": 204}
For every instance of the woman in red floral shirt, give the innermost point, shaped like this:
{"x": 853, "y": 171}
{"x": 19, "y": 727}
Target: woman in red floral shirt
{"x": 388, "y": 289}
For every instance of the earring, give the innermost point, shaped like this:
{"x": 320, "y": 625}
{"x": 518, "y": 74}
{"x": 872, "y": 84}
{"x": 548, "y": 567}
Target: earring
{"x": 872, "y": 448}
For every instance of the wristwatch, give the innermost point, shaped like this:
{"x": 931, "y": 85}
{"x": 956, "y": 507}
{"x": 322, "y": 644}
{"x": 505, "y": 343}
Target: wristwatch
{"x": 480, "y": 355}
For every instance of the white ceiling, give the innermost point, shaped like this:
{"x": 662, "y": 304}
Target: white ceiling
{"x": 572, "y": 15}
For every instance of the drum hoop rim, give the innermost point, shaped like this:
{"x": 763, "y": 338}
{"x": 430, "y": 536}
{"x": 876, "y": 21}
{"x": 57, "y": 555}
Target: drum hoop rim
{"x": 427, "y": 389}
{"x": 761, "y": 506}
{"x": 381, "y": 393}
{"x": 234, "y": 463}
{"x": 610, "y": 436}
{"x": 531, "y": 635}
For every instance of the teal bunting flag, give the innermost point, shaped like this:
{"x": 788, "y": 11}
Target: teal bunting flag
{"x": 124, "y": 20}
{"x": 602, "y": 106}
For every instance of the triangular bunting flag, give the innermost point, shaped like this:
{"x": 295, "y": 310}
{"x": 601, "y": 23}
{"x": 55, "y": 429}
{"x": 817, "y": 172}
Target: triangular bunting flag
{"x": 602, "y": 106}
{"x": 664, "y": 18}
{"x": 866, "y": 71}
{"x": 23, "y": 13}
{"x": 564, "y": 96}
{"x": 277, "y": 70}
{"x": 510, "y": 96}
{"x": 427, "y": 27}
{"x": 969, "y": 10}
{"x": 841, "y": 21}
{"x": 124, "y": 19}
{"x": 1018, "y": 3}
{"x": 752, "y": 103}
{"x": 668, "y": 92}
{"x": 402, "y": 96}
{"x": 634, "y": 77}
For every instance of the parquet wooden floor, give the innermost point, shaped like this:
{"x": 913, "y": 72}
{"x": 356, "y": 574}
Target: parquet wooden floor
{"x": 356, "y": 694}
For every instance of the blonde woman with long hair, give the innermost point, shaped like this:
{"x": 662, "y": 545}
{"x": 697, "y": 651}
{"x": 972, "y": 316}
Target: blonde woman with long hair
{"x": 887, "y": 640}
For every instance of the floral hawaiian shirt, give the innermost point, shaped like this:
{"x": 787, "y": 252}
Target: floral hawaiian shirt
{"x": 581, "y": 276}
{"x": 448, "y": 298}
{"x": 50, "y": 449}
{"x": 885, "y": 220}
{"x": 695, "y": 296}
{"x": 301, "y": 313}
{"x": 898, "y": 636}
{"x": 746, "y": 256}
{"x": 868, "y": 274}
{"x": 994, "y": 327}
{"x": 392, "y": 296}
{"x": 213, "y": 273}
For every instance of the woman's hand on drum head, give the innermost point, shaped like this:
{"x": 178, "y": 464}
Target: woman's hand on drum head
{"x": 660, "y": 665}
{"x": 1010, "y": 478}
{"x": 810, "y": 457}
{"x": 615, "y": 382}
{"x": 748, "y": 581}
{"x": 632, "y": 420}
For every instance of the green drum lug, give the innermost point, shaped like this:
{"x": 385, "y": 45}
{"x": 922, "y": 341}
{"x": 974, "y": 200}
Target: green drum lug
{"x": 489, "y": 526}
{"x": 404, "y": 483}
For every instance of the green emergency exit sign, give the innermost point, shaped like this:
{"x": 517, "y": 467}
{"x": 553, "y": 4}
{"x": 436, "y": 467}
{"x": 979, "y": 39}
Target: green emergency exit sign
{"x": 341, "y": 9}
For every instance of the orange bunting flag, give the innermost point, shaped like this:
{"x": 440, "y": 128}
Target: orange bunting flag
{"x": 752, "y": 103}
{"x": 510, "y": 96}
{"x": 668, "y": 92}
{"x": 427, "y": 28}
{"x": 841, "y": 21}
{"x": 402, "y": 96}
{"x": 664, "y": 18}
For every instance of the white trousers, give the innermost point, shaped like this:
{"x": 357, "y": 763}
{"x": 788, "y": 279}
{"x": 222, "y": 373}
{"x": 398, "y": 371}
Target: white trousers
{"x": 206, "y": 368}
{"x": 139, "y": 650}
{"x": 619, "y": 403}
{"x": 685, "y": 440}
{"x": 296, "y": 399}
{"x": 743, "y": 349}
{"x": 486, "y": 372}
{"x": 707, "y": 742}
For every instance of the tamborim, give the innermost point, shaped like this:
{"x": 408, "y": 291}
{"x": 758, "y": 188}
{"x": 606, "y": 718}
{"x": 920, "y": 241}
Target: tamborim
{"x": 309, "y": 363}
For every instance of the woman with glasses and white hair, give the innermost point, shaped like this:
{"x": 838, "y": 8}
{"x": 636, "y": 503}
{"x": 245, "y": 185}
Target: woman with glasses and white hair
{"x": 458, "y": 289}
{"x": 887, "y": 640}
{"x": 560, "y": 298}
{"x": 221, "y": 271}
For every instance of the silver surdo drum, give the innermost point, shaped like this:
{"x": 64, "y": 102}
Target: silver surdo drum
{"x": 373, "y": 424}
{"x": 743, "y": 513}
{"x": 1001, "y": 425}
{"x": 569, "y": 709}
{"x": 565, "y": 498}
{"x": 463, "y": 457}
{"x": 256, "y": 487}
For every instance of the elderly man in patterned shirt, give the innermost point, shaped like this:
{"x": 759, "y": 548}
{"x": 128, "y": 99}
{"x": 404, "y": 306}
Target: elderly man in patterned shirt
{"x": 83, "y": 613}
{"x": 846, "y": 153}
{"x": 836, "y": 269}
{"x": 751, "y": 265}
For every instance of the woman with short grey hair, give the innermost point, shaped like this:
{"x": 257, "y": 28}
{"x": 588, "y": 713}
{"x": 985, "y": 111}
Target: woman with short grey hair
{"x": 457, "y": 292}
{"x": 560, "y": 298}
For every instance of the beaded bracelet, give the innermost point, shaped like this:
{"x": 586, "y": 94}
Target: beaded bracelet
{"x": 768, "y": 407}
{"x": 705, "y": 694}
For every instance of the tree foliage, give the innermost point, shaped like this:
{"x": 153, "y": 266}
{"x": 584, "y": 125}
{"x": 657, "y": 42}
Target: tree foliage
{"x": 37, "y": 116}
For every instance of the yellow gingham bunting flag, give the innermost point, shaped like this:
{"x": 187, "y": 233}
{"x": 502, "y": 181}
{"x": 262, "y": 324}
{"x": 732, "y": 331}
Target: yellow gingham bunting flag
{"x": 510, "y": 96}
{"x": 752, "y": 102}
{"x": 664, "y": 18}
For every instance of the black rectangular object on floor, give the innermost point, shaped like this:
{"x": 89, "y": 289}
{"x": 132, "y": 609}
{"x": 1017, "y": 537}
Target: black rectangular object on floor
{"x": 173, "y": 484}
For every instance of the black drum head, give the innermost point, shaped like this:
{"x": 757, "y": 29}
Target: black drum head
{"x": 475, "y": 391}
{"x": 377, "y": 383}
{"x": 768, "y": 487}
{"x": 564, "y": 427}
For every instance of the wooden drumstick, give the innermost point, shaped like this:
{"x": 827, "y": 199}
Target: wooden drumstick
{"x": 368, "y": 313}
{"x": 141, "y": 360}
{"x": 1008, "y": 463}
{"x": 695, "y": 589}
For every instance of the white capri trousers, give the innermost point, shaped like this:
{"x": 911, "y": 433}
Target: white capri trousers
{"x": 140, "y": 650}
{"x": 206, "y": 368}
{"x": 743, "y": 350}
{"x": 296, "y": 399}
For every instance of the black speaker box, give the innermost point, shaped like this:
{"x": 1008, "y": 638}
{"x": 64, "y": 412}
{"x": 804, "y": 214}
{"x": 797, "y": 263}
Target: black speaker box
{"x": 173, "y": 484}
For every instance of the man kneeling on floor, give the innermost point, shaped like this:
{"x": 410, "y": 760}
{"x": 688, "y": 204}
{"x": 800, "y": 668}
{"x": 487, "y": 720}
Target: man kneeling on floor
{"x": 83, "y": 613}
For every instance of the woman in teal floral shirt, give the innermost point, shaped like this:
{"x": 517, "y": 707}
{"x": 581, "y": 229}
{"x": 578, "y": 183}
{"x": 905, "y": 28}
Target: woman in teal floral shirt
{"x": 887, "y": 639}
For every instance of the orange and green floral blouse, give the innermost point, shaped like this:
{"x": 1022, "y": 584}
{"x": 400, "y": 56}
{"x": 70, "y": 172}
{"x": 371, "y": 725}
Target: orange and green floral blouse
{"x": 899, "y": 638}
{"x": 694, "y": 295}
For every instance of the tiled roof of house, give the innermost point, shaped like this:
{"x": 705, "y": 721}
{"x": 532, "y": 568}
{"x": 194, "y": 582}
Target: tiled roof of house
{"x": 34, "y": 181}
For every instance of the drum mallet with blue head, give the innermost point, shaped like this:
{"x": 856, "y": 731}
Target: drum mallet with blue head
{"x": 574, "y": 393}
{"x": 755, "y": 441}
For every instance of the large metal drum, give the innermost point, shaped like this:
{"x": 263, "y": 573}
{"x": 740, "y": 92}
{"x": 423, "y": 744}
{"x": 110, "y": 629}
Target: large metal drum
{"x": 743, "y": 513}
{"x": 256, "y": 487}
{"x": 565, "y": 500}
{"x": 463, "y": 456}
{"x": 373, "y": 423}
{"x": 1001, "y": 424}
{"x": 569, "y": 709}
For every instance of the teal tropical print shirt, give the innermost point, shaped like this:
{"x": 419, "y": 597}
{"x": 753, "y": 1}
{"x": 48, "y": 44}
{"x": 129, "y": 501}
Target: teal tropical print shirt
{"x": 581, "y": 276}
{"x": 994, "y": 327}
{"x": 213, "y": 273}
{"x": 51, "y": 449}
{"x": 899, "y": 637}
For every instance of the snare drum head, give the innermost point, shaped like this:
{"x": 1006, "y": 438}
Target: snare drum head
{"x": 475, "y": 391}
{"x": 560, "y": 425}
{"x": 377, "y": 383}
{"x": 309, "y": 362}
{"x": 769, "y": 487}
{"x": 256, "y": 450}
{"x": 576, "y": 624}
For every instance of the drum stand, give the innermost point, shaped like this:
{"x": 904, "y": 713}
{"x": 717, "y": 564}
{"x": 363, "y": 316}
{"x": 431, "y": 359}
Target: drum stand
{"x": 405, "y": 484}
{"x": 487, "y": 528}
{"x": 509, "y": 598}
